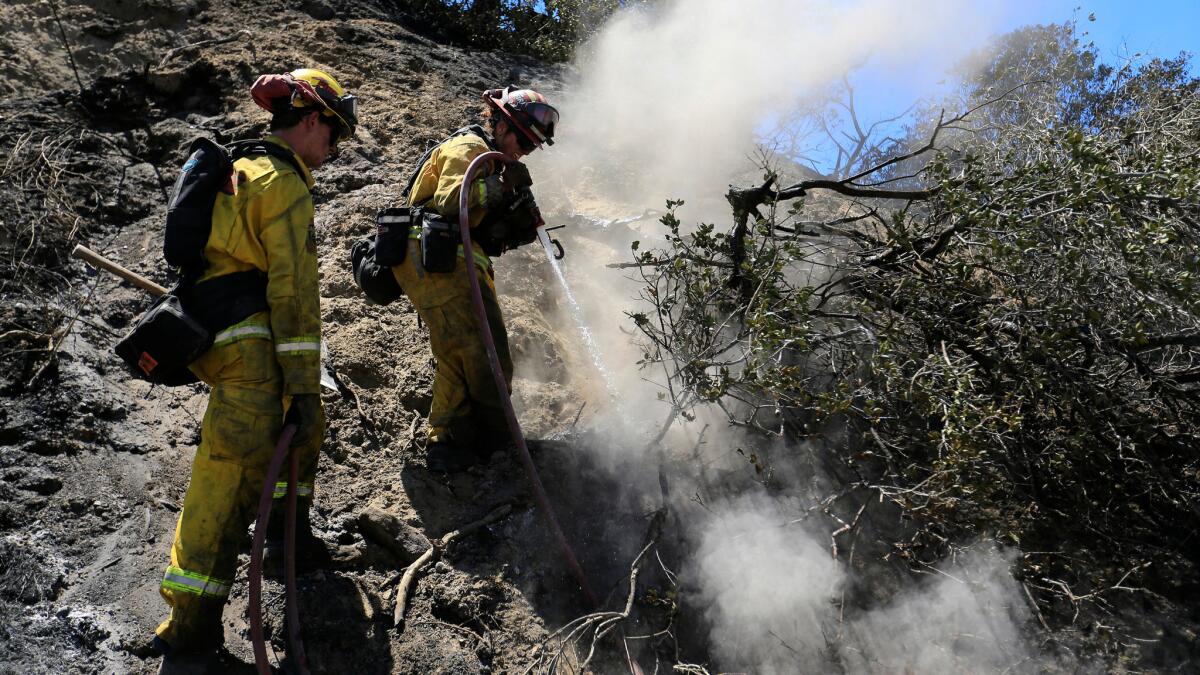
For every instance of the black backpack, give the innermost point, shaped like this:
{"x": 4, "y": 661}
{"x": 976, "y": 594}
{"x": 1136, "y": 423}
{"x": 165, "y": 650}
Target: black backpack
{"x": 207, "y": 171}
{"x": 180, "y": 325}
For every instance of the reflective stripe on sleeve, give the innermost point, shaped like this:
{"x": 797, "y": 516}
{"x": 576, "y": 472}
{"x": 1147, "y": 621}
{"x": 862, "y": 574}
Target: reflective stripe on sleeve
{"x": 300, "y": 345}
{"x": 481, "y": 258}
{"x": 302, "y": 489}
{"x": 242, "y": 331}
{"x": 178, "y": 579}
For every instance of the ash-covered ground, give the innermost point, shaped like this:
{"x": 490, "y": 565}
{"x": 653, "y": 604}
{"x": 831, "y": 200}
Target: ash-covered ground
{"x": 765, "y": 561}
{"x": 94, "y": 463}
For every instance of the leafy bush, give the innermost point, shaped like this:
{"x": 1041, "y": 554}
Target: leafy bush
{"x": 549, "y": 30}
{"x": 1011, "y": 348}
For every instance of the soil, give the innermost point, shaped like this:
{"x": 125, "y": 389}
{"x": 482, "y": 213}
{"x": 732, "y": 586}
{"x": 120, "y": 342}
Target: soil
{"x": 94, "y": 463}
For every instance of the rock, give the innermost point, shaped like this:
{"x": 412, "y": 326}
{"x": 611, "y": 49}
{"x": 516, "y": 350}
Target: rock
{"x": 10, "y": 516}
{"x": 318, "y": 10}
{"x": 85, "y": 627}
{"x": 48, "y": 447}
{"x": 387, "y": 529}
{"x": 40, "y": 483}
{"x": 11, "y": 435}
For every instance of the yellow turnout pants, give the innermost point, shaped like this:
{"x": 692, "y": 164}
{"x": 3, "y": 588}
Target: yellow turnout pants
{"x": 240, "y": 429}
{"x": 467, "y": 408}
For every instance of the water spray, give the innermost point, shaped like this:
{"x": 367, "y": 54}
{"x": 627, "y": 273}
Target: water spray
{"x": 577, "y": 314}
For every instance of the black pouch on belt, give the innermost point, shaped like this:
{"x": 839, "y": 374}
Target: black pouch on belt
{"x": 391, "y": 235}
{"x": 439, "y": 242}
{"x": 163, "y": 343}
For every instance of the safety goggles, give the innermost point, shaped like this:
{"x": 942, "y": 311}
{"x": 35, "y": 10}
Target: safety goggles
{"x": 345, "y": 109}
{"x": 542, "y": 113}
{"x": 541, "y": 119}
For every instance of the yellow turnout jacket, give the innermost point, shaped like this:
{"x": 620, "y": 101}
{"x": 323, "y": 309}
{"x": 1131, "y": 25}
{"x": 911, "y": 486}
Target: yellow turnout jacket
{"x": 268, "y": 226}
{"x": 441, "y": 176}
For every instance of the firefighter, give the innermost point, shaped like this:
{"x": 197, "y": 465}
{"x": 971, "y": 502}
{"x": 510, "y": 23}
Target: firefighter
{"x": 263, "y": 370}
{"x": 466, "y": 417}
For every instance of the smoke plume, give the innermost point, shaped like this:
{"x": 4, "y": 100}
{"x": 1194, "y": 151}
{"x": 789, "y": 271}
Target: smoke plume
{"x": 665, "y": 104}
{"x": 668, "y": 99}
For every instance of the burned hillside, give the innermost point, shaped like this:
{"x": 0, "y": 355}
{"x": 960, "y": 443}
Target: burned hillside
{"x": 95, "y": 462}
{"x": 724, "y": 524}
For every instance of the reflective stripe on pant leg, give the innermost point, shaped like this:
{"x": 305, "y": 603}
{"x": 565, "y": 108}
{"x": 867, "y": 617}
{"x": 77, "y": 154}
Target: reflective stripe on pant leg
{"x": 216, "y": 511}
{"x": 197, "y": 584}
{"x": 303, "y": 490}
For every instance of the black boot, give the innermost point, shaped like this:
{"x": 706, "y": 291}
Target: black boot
{"x": 450, "y": 457}
{"x": 311, "y": 552}
{"x": 197, "y": 661}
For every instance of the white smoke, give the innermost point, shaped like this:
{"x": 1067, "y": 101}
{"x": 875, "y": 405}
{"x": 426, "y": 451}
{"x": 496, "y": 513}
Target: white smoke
{"x": 666, "y": 105}
{"x": 777, "y": 605}
{"x": 768, "y": 588}
{"x": 964, "y": 620}
{"x": 668, "y": 99}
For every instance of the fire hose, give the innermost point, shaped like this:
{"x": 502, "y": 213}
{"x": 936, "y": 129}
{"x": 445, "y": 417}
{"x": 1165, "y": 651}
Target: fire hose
{"x": 289, "y": 553}
{"x": 514, "y": 427}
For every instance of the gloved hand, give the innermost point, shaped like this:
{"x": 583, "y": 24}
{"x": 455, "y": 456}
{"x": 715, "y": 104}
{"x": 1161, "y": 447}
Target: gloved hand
{"x": 520, "y": 199}
{"x": 516, "y": 175}
{"x": 493, "y": 189}
{"x": 304, "y": 412}
{"x": 275, "y": 92}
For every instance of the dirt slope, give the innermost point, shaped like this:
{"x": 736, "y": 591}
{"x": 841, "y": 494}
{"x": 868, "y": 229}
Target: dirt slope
{"x": 93, "y": 464}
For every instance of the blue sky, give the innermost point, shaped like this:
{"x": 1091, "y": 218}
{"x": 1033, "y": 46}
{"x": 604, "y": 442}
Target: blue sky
{"x": 1122, "y": 29}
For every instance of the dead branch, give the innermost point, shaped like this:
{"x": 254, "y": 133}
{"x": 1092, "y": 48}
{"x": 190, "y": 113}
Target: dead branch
{"x": 846, "y": 527}
{"x": 765, "y": 195}
{"x": 747, "y": 200}
{"x": 667, "y": 261}
{"x": 202, "y": 43}
{"x": 66, "y": 45}
{"x": 348, "y": 392}
{"x": 601, "y": 624}
{"x": 434, "y": 552}
{"x": 63, "y": 336}
{"x": 1034, "y": 605}
{"x": 17, "y": 334}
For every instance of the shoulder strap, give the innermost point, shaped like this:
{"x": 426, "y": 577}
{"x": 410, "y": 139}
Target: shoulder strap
{"x": 473, "y": 129}
{"x": 257, "y": 146}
